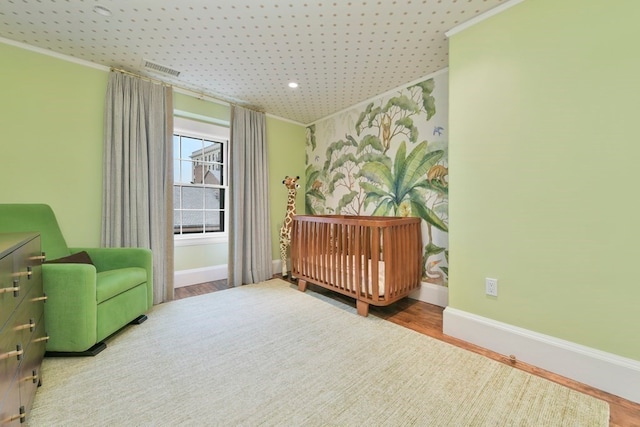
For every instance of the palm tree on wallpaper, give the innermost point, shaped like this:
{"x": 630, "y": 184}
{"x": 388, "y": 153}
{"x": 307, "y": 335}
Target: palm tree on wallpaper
{"x": 403, "y": 184}
{"x": 402, "y": 190}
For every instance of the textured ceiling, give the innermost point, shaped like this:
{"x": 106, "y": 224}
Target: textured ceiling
{"x": 247, "y": 51}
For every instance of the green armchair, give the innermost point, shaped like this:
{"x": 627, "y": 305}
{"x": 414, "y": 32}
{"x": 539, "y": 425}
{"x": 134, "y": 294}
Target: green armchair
{"x": 89, "y": 299}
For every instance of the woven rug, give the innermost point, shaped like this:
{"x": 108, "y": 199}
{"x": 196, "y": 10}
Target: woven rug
{"x": 269, "y": 355}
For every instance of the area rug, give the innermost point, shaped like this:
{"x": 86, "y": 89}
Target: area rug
{"x": 269, "y": 355}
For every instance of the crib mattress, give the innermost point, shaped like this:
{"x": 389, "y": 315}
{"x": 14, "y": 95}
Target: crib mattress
{"x": 365, "y": 276}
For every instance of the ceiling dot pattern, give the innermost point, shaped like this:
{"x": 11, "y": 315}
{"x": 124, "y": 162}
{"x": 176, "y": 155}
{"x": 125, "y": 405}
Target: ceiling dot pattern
{"x": 246, "y": 52}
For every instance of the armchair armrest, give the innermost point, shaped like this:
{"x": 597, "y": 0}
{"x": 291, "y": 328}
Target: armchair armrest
{"x": 113, "y": 258}
{"x": 71, "y": 309}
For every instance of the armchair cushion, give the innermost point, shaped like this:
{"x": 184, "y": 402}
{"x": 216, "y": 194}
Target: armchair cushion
{"x": 107, "y": 259}
{"x": 114, "y": 282}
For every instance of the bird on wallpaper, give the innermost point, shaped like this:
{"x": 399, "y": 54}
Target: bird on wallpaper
{"x": 433, "y": 275}
{"x": 437, "y": 130}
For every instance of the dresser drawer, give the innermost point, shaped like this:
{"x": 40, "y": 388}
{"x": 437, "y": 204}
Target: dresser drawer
{"x": 27, "y": 266}
{"x": 11, "y": 410}
{"x": 27, "y": 316}
{"x": 9, "y": 298}
{"x": 11, "y": 354}
{"x": 30, "y": 369}
{"x": 20, "y": 271}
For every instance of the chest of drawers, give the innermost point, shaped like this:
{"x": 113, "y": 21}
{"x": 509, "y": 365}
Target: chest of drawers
{"x": 22, "y": 333}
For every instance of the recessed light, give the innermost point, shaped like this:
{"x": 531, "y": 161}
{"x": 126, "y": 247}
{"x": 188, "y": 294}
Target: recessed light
{"x": 293, "y": 85}
{"x": 101, "y": 10}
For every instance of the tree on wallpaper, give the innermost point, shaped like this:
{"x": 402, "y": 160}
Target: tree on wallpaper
{"x": 381, "y": 168}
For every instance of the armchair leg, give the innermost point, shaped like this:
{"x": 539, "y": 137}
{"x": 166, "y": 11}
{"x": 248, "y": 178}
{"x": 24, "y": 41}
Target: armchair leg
{"x": 97, "y": 348}
{"x": 138, "y": 320}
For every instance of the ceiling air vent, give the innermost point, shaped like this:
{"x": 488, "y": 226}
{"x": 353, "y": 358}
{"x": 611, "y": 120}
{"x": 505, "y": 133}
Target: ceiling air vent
{"x": 152, "y": 66}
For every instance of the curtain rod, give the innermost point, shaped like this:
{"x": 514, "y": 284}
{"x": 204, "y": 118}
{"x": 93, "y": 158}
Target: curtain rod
{"x": 199, "y": 95}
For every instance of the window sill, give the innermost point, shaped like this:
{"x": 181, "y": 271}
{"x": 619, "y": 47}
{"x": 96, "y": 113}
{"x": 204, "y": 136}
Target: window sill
{"x": 179, "y": 241}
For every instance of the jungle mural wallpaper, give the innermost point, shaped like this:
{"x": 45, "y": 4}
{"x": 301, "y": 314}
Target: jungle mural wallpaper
{"x": 387, "y": 158}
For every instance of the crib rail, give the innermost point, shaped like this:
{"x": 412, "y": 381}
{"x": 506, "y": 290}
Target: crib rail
{"x": 373, "y": 259}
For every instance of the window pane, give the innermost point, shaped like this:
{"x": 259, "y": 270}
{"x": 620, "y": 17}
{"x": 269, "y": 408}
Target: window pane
{"x": 176, "y": 221}
{"x": 192, "y": 222}
{"x": 214, "y": 221}
{"x": 176, "y": 170}
{"x": 176, "y": 197}
{"x": 191, "y": 148}
{"x": 212, "y": 198}
{"x": 185, "y": 173}
{"x": 220, "y": 174}
{"x": 208, "y": 146}
{"x": 205, "y": 173}
{"x": 193, "y": 198}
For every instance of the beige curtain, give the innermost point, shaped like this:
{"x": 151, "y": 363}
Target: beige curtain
{"x": 138, "y": 173}
{"x": 249, "y": 222}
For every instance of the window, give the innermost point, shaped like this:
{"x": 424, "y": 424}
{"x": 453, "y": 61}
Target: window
{"x": 200, "y": 179}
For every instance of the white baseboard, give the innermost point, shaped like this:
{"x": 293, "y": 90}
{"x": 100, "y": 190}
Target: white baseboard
{"x": 277, "y": 265}
{"x": 606, "y": 371}
{"x": 208, "y": 274}
{"x": 199, "y": 275}
{"x": 433, "y": 294}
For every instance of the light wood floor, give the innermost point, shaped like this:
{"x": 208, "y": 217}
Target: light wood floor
{"x": 427, "y": 319}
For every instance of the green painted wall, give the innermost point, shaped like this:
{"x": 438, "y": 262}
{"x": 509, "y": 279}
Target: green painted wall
{"x": 200, "y": 256}
{"x": 544, "y": 150}
{"x": 201, "y": 108}
{"x": 51, "y": 117}
{"x": 286, "y": 143}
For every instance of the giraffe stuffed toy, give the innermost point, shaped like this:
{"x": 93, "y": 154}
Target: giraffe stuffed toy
{"x": 285, "y": 231}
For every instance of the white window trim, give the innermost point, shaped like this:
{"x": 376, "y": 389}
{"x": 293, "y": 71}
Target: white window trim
{"x": 180, "y": 240}
{"x": 210, "y": 131}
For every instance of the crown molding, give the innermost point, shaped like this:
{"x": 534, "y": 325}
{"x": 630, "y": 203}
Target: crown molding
{"x": 488, "y": 14}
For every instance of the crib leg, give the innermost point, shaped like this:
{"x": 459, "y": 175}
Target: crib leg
{"x": 302, "y": 285}
{"x": 362, "y": 307}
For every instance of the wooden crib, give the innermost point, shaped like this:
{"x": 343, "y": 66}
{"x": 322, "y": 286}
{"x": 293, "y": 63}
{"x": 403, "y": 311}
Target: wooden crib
{"x": 376, "y": 260}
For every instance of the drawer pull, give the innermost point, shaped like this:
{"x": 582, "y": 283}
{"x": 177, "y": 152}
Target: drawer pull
{"x": 18, "y": 352}
{"x": 21, "y": 416}
{"x": 40, "y": 258}
{"x": 45, "y": 338}
{"x": 19, "y": 274}
{"x": 33, "y": 377}
{"x": 31, "y": 326}
{"x": 11, "y": 289}
{"x": 42, "y": 298}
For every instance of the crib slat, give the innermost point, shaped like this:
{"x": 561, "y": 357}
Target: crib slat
{"x": 375, "y": 265}
{"x": 325, "y": 253}
{"x": 343, "y": 255}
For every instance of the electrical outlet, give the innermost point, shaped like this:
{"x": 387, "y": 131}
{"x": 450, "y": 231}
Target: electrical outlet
{"x": 491, "y": 286}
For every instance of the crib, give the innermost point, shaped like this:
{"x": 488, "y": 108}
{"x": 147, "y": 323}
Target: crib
{"x": 376, "y": 260}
